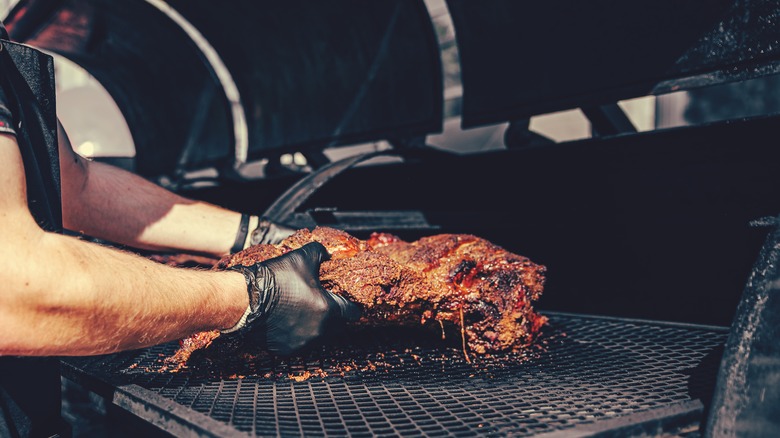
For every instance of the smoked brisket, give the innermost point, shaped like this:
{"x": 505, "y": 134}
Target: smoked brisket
{"x": 453, "y": 279}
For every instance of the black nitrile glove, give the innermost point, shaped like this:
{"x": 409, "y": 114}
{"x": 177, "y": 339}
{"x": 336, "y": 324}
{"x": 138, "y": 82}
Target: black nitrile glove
{"x": 288, "y": 307}
{"x": 269, "y": 232}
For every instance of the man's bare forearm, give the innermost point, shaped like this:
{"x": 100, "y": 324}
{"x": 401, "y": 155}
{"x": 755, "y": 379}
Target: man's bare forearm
{"x": 78, "y": 298}
{"x": 121, "y": 207}
{"x": 112, "y": 204}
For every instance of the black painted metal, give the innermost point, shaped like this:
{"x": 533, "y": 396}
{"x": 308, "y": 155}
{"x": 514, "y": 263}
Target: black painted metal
{"x": 625, "y": 225}
{"x": 608, "y": 120}
{"x": 519, "y": 135}
{"x": 369, "y": 221}
{"x": 150, "y": 66}
{"x": 747, "y": 395}
{"x": 286, "y": 204}
{"x": 586, "y": 375}
{"x": 520, "y": 59}
{"x": 315, "y": 74}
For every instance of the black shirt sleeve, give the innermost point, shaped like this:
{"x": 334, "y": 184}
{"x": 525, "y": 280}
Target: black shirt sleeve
{"x": 6, "y": 118}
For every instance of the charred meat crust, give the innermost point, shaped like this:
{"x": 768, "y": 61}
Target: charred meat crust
{"x": 451, "y": 278}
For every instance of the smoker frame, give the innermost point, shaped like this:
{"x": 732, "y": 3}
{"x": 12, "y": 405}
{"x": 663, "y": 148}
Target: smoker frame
{"x": 714, "y": 59}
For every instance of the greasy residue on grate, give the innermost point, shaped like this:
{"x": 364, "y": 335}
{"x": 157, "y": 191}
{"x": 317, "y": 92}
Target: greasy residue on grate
{"x": 582, "y": 370}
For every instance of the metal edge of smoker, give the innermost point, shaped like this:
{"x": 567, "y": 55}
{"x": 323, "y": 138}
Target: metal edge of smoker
{"x": 663, "y": 421}
{"x": 147, "y": 405}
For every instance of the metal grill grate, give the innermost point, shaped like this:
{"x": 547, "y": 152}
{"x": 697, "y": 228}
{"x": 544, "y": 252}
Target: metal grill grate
{"x": 586, "y": 374}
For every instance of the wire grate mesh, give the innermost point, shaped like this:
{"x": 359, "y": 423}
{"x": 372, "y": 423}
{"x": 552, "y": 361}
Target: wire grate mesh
{"x": 583, "y": 370}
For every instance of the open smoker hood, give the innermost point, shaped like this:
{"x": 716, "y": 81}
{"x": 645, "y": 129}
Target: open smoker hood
{"x": 645, "y": 225}
{"x": 205, "y": 84}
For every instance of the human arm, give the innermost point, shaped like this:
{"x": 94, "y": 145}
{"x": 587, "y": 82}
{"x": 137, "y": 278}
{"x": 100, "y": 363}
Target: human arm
{"x": 110, "y": 203}
{"x": 105, "y": 201}
{"x": 64, "y": 296}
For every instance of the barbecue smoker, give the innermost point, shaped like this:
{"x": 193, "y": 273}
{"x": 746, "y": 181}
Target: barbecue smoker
{"x": 661, "y": 246}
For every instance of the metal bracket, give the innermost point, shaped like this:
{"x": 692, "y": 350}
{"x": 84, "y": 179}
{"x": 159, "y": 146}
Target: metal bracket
{"x": 608, "y": 120}
{"x": 285, "y": 205}
{"x": 519, "y": 135}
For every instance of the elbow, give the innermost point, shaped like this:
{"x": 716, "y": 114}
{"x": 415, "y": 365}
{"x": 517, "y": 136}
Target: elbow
{"x": 24, "y": 304}
{"x": 33, "y": 325}
{"x": 23, "y": 277}
{"x": 18, "y": 337}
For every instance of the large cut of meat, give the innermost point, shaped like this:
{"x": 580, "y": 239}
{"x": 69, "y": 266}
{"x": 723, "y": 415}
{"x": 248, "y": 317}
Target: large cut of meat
{"x": 461, "y": 279}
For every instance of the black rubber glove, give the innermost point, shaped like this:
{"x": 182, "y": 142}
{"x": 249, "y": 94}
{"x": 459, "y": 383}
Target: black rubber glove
{"x": 269, "y": 232}
{"x": 288, "y": 307}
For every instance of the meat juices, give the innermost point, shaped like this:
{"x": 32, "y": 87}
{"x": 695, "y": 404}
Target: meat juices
{"x": 461, "y": 279}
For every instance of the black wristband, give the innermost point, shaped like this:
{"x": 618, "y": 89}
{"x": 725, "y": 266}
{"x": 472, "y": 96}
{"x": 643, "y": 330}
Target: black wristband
{"x": 243, "y": 231}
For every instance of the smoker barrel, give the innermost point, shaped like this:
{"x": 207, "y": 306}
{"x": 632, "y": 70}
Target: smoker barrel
{"x": 586, "y": 375}
{"x": 646, "y": 225}
{"x": 204, "y": 85}
{"x": 599, "y": 55}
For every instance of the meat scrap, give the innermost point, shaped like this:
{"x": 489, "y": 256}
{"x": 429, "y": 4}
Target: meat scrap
{"x": 460, "y": 279}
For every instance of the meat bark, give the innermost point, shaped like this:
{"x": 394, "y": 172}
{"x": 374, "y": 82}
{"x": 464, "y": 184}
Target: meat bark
{"x": 458, "y": 279}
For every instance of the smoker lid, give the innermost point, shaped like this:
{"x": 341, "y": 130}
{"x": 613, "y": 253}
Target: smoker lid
{"x": 202, "y": 83}
{"x": 519, "y": 59}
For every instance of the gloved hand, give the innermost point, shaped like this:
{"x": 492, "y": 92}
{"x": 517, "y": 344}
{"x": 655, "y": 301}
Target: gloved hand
{"x": 288, "y": 307}
{"x": 269, "y": 232}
